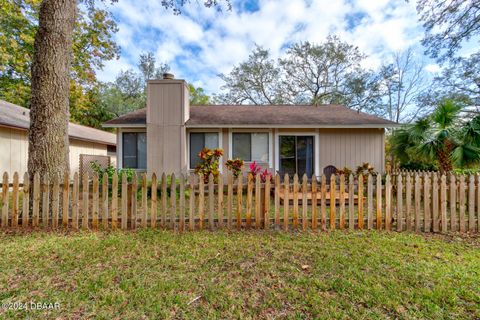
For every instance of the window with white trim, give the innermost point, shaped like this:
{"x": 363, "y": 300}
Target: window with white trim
{"x": 198, "y": 141}
{"x": 134, "y": 150}
{"x": 250, "y": 146}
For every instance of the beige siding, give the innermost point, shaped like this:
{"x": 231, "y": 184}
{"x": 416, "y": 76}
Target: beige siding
{"x": 351, "y": 147}
{"x": 14, "y": 151}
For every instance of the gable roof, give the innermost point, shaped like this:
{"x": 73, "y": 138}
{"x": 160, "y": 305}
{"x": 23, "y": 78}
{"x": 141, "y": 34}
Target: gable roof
{"x": 268, "y": 116}
{"x": 14, "y": 116}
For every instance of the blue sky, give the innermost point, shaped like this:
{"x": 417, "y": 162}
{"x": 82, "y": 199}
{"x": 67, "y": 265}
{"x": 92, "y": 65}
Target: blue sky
{"x": 201, "y": 43}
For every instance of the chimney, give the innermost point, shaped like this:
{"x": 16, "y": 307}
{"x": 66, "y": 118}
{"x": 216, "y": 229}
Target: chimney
{"x": 168, "y": 76}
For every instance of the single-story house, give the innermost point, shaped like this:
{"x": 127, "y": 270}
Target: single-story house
{"x": 14, "y": 123}
{"x": 168, "y": 134}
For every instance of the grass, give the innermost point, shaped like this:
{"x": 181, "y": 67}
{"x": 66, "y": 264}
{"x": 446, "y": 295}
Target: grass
{"x": 153, "y": 274}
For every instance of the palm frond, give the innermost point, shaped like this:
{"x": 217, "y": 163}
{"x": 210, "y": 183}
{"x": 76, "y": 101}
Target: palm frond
{"x": 446, "y": 114}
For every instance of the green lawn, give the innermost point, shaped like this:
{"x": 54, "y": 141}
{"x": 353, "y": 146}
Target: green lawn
{"x": 158, "y": 274}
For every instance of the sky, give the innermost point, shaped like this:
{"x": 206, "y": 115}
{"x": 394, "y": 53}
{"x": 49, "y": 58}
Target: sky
{"x": 203, "y": 42}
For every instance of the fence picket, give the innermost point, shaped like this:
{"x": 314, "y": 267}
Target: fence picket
{"x": 453, "y": 203}
{"x": 378, "y": 223}
{"x": 75, "y": 200}
{"x": 427, "y": 201}
{"x": 55, "y": 201}
{"x": 399, "y": 202}
{"x": 5, "y": 200}
{"x": 478, "y": 202}
{"x": 229, "y": 200}
{"x": 333, "y": 191}
{"x": 65, "y": 199}
{"x": 388, "y": 203}
{"x": 95, "y": 204}
{"x": 462, "y": 203}
{"x": 471, "y": 203}
{"x": 435, "y": 208}
{"x": 105, "y": 201}
{"x": 323, "y": 203}
{"x": 295, "y": 201}
{"x": 173, "y": 200}
{"x": 211, "y": 199}
{"x": 45, "y": 200}
{"x": 286, "y": 201}
{"x": 201, "y": 201}
{"x": 181, "y": 224}
{"x": 220, "y": 201}
{"x": 163, "y": 200}
{"x": 314, "y": 202}
{"x": 304, "y": 202}
{"x": 144, "y": 210}
{"x": 266, "y": 210}
{"x": 258, "y": 204}
{"x": 15, "y": 200}
{"x": 370, "y": 202}
{"x": 26, "y": 200}
{"x": 408, "y": 200}
{"x": 191, "y": 207}
{"x": 114, "y": 204}
{"x": 85, "y": 194}
{"x": 277, "y": 200}
{"x": 153, "y": 202}
{"x": 249, "y": 200}
{"x": 417, "y": 202}
{"x": 133, "y": 202}
{"x": 342, "y": 202}
{"x": 239, "y": 201}
{"x": 360, "y": 202}
{"x": 124, "y": 223}
{"x": 351, "y": 203}
{"x": 443, "y": 202}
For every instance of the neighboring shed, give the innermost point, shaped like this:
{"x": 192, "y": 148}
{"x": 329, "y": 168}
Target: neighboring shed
{"x": 14, "y": 123}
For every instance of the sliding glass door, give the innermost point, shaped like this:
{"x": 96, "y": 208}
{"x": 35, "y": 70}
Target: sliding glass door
{"x": 296, "y": 155}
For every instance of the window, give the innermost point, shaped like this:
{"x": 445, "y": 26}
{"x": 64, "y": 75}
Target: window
{"x": 134, "y": 154}
{"x": 250, "y": 146}
{"x": 198, "y": 141}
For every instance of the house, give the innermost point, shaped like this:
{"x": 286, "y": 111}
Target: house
{"x": 168, "y": 134}
{"x": 14, "y": 123}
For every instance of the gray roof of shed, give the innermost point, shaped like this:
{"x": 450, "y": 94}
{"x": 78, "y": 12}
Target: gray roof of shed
{"x": 15, "y": 116}
{"x": 326, "y": 116}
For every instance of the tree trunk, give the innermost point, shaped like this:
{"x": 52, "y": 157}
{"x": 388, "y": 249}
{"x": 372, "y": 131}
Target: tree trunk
{"x": 49, "y": 113}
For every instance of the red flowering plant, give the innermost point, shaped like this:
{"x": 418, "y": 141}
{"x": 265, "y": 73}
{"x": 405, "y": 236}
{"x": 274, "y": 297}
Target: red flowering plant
{"x": 257, "y": 169}
{"x": 209, "y": 164}
{"x": 235, "y": 166}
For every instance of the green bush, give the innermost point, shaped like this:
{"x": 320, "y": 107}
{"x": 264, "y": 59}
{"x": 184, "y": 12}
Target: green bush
{"x": 467, "y": 171}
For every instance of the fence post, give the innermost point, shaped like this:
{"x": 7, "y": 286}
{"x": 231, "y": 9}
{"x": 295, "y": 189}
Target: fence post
{"x": 323, "y": 203}
{"x": 239, "y": 201}
{"x": 417, "y": 203}
{"x": 211, "y": 201}
{"x": 95, "y": 204}
{"x": 181, "y": 225}
{"x": 66, "y": 199}
{"x": 266, "y": 209}
{"x": 435, "y": 207}
{"x": 105, "y": 201}
{"x": 85, "y": 189}
{"x": 133, "y": 202}
{"x": 26, "y": 200}
{"x": 360, "y": 202}
{"x": 55, "y": 201}
{"x": 295, "y": 201}
{"x": 124, "y": 201}
{"x": 408, "y": 198}
{"x": 249, "y": 200}
{"x": 114, "y": 201}
{"x": 229, "y": 200}
{"x": 144, "y": 201}
{"x": 191, "y": 208}
{"x": 173, "y": 201}
{"x": 5, "y": 200}
{"x": 478, "y": 203}
{"x": 220, "y": 201}
{"x": 45, "y": 200}
{"x": 258, "y": 201}
{"x": 379, "y": 213}
{"x": 453, "y": 203}
{"x": 286, "y": 201}
{"x": 15, "y": 200}
{"x": 426, "y": 203}
{"x": 462, "y": 203}
{"x": 342, "y": 202}
{"x": 201, "y": 200}
{"x": 304, "y": 202}
{"x": 277, "y": 200}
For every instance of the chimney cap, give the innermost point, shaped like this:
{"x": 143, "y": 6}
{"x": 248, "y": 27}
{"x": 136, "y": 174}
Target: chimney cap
{"x": 168, "y": 76}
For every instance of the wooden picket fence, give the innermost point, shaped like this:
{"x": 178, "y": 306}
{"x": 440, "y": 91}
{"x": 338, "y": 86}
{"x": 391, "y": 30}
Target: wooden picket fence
{"x": 420, "y": 202}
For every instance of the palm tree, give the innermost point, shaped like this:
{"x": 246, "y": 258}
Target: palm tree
{"x": 443, "y": 137}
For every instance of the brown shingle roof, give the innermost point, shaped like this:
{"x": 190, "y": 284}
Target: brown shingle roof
{"x": 268, "y": 116}
{"x": 15, "y": 116}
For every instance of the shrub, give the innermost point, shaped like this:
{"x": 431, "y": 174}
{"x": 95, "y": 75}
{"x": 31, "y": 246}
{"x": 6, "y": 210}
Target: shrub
{"x": 235, "y": 166}
{"x": 365, "y": 169}
{"x": 345, "y": 171}
{"x": 257, "y": 169}
{"x": 110, "y": 171}
{"x": 209, "y": 164}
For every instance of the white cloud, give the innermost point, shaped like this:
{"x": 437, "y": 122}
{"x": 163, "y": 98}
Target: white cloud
{"x": 203, "y": 42}
{"x": 433, "y": 68}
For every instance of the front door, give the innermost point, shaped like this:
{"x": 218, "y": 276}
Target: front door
{"x": 296, "y": 155}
